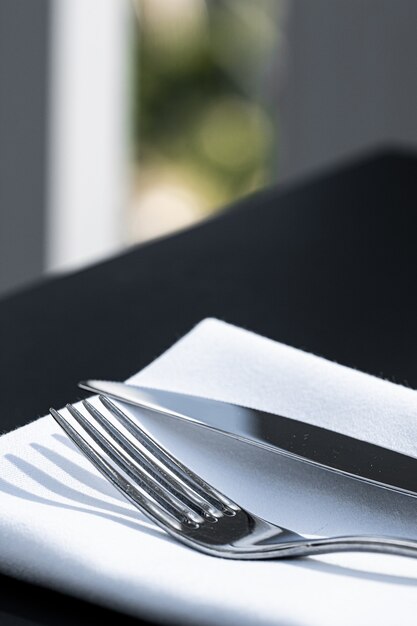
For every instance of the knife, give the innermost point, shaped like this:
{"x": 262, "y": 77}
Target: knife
{"x": 311, "y": 444}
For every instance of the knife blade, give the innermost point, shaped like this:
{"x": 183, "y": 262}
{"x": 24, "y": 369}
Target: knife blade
{"x": 311, "y": 444}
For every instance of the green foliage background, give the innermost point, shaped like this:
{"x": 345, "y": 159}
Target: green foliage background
{"x": 199, "y": 97}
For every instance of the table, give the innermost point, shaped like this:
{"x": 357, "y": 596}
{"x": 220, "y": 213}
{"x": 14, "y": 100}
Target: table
{"x": 328, "y": 265}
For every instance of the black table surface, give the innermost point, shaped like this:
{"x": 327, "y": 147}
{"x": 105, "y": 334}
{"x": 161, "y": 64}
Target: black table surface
{"x": 327, "y": 265}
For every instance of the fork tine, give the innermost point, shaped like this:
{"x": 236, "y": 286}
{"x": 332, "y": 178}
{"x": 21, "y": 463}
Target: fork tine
{"x": 163, "y": 494}
{"x": 164, "y": 514}
{"x": 152, "y": 466}
{"x": 164, "y": 457}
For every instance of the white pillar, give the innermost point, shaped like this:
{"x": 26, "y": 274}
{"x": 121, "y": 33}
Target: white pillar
{"x": 89, "y": 118}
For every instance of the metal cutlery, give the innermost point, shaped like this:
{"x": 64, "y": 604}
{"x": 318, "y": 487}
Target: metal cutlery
{"x": 183, "y": 504}
{"x": 311, "y": 444}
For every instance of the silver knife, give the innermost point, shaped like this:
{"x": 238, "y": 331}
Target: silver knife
{"x": 305, "y": 442}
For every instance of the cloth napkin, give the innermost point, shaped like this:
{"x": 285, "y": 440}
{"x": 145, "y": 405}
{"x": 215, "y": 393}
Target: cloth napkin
{"x": 64, "y": 526}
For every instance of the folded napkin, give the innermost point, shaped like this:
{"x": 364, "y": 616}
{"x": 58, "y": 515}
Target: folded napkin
{"x": 64, "y": 526}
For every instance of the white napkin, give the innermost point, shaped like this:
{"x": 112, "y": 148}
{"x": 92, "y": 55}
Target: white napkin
{"x": 63, "y": 525}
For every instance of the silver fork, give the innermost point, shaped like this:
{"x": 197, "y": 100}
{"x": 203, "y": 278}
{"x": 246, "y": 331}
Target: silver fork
{"x": 184, "y": 505}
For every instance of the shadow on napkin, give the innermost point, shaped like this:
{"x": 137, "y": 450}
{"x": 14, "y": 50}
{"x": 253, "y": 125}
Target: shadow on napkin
{"x": 93, "y": 504}
{"x": 286, "y": 487}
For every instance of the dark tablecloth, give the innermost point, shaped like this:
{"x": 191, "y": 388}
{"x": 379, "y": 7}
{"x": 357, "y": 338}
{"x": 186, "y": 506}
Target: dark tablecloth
{"x": 327, "y": 265}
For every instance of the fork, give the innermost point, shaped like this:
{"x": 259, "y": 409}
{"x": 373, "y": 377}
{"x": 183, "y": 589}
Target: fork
{"x": 185, "y": 505}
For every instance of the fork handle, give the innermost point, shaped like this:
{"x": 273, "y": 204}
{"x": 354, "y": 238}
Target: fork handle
{"x": 349, "y": 543}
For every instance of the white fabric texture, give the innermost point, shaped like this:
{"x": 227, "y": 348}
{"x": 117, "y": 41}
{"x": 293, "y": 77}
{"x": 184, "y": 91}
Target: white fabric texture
{"x": 63, "y": 525}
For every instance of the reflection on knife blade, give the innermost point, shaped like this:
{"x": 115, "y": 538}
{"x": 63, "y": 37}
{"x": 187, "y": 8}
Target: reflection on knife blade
{"x": 308, "y": 443}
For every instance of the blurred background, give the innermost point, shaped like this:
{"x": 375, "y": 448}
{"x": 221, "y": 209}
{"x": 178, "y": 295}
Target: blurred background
{"x": 124, "y": 121}
{"x": 203, "y": 122}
